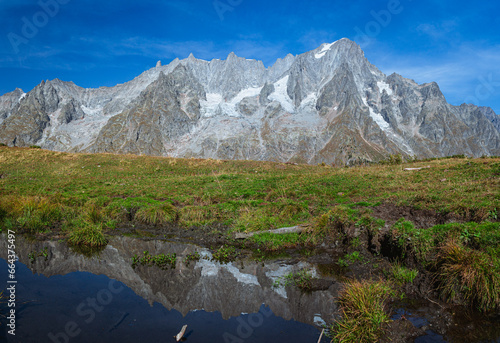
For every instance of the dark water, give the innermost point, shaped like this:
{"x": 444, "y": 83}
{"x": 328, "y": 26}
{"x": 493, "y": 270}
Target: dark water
{"x": 67, "y": 297}
{"x": 83, "y": 307}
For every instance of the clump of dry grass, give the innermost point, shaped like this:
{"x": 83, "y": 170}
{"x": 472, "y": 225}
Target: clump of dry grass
{"x": 36, "y": 213}
{"x": 157, "y": 214}
{"x": 468, "y": 276}
{"x": 334, "y": 221}
{"x": 197, "y": 215}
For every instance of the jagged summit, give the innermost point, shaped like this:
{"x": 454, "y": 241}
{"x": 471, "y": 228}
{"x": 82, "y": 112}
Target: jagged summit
{"x": 326, "y": 105}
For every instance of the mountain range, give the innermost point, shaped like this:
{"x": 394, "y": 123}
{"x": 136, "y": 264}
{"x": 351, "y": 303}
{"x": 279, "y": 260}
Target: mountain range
{"x": 327, "y": 105}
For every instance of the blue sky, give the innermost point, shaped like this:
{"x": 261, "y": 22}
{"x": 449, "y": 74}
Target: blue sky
{"x": 103, "y": 43}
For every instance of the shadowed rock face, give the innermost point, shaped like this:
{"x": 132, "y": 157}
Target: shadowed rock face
{"x": 327, "y": 105}
{"x": 231, "y": 289}
{"x": 164, "y": 111}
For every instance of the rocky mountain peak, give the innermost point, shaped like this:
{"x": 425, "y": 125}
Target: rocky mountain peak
{"x": 327, "y": 105}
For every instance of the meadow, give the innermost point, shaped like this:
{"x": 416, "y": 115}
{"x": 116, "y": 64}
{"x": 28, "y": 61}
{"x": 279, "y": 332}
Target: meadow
{"x": 441, "y": 221}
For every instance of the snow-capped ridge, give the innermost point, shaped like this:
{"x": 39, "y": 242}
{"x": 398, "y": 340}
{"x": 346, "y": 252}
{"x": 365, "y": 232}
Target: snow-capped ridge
{"x": 326, "y": 105}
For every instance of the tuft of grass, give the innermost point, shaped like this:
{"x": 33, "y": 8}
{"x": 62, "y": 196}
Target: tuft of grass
{"x": 465, "y": 257}
{"x": 401, "y": 274}
{"x": 197, "y": 215}
{"x": 363, "y": 306}
{"x": 93, "y": 213}
{"x": 335, "y": 221}
{"x": 37, "y": 213}
{"x": 469, "y": 276}
{"x": 89, "y": 235}
{"x": 157, "y": 214}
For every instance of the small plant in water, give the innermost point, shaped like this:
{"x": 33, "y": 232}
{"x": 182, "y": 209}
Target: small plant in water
{"x": 225, "y": 254}
{"x": 191, "y": 257}
{"x": 302, "y": 280}
{"x": 162, "y": 261}
{"x": 34, "y": 254}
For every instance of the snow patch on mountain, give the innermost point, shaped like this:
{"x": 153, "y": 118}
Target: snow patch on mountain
{"x": 217, "y": 105}
{"x": 382, "y": 86}
{"x": 280, "y": 94}
{"x": 324, "y": 50}
{"x": 386, "y": 127}
{"x": 309, "y": 101}
{"x": 377, "y": 117}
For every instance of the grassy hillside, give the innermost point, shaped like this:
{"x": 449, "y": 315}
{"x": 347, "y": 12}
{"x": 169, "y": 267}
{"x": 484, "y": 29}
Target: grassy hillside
{"x": 243, "y": 195}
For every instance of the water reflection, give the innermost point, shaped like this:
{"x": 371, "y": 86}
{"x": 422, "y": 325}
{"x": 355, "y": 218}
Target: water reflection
{"x": 66, "y": 287}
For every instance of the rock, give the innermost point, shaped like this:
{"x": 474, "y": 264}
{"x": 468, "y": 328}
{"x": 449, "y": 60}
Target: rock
{"x": 328, "y": 105}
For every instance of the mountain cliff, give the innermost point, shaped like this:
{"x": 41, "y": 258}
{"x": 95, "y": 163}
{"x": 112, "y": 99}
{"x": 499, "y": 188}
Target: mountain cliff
{"x": 327, "y": 105}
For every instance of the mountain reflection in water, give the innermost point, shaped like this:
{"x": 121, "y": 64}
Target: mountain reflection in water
{"x": 104, "y": 299}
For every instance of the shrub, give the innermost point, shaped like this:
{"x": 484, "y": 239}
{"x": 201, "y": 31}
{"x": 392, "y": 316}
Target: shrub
{"x": 35, "y": 147}
{"x": 191, "y": 257}
{"x": 393, "y": 159}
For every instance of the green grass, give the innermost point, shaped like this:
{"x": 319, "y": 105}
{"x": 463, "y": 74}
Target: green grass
{"x": 89, "y": 235}
{"x": 36, "y": 213}
{"x": 469, "y": 276}
{"x": 276, "y": 242}
{"x": 44, "y": 191}
{"x": 353, "y": 257}
{"x": 401, "y": 274}
{"x": 363, "y": 307}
